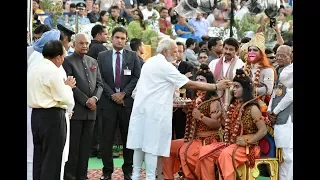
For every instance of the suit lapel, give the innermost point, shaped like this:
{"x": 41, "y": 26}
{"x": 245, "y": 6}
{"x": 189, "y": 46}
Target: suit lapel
{"x": 110, "y": 65}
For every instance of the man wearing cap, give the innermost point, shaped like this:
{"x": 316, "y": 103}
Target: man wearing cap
{"x": 66, "y": 33}
{"x": 82, "y": 18}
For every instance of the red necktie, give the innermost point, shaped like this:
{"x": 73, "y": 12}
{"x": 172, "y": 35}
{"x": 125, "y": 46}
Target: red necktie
{"x": 118, "y": 71}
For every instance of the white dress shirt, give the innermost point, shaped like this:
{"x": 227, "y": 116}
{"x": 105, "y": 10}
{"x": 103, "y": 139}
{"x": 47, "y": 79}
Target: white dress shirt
{"x": 114, "y": 59}
{"x": 46, "y": 87}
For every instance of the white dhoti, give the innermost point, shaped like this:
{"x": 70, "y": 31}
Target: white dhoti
{"x": 283, "y": 136}
{"x": 65, "y": 153}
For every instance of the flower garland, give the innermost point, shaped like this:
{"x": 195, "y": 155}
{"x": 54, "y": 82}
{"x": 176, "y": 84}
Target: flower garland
{"x": 256, "y": 80}
{"x": 232, "y": 122}
{"x": 191, "y": 122}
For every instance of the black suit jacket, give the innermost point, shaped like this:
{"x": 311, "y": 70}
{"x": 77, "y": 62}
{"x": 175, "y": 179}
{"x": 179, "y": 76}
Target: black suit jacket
{"x": 185, "y": 67}
{"x": 86, "y": 72}
{"x": 95, "y": 48}
{"x": 128, "y": 82}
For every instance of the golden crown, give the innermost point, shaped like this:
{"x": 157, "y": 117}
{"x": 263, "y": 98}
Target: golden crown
{"x": 258, "y": 40}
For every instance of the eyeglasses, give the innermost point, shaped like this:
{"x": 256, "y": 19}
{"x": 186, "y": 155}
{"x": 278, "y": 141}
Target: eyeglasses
{"x": 281, "y": 55}
{"x": 83, "y": 43}
{"x": 203, "y": 57}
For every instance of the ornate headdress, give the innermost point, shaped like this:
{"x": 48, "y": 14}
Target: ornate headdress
{"x": 244, "y": 52}
{"x": 204, "y": 71}
{"x": 258, "y": 40}
{"x": 242, "y": 78}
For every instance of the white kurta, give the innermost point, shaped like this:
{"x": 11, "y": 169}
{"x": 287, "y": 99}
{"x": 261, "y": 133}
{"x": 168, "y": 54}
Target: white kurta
{"x": 150, "y": 125}
{"x": 283, "y": 134}
{"x": 32, "y": 60}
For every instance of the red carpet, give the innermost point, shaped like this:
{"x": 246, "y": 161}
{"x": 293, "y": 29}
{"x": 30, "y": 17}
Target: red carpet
{"x": 95, "y": 174}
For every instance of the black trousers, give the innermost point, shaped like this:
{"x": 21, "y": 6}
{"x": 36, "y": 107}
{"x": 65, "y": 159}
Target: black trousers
{"x": 178, "y": 124}
{"x": 49, "y": 132}
{"x": 79, "y": 151}
{"x": 96, "y": 134}
{"x": 110, "y": 119}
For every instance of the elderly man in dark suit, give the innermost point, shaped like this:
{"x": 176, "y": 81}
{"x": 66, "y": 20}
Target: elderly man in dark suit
{"x": 120, "y": 71}
{"x": 179, "y": 117}
{"x": 88, "y": 91}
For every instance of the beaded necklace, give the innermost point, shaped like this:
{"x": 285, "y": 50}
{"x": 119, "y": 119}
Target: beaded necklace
{"x": 191, "y": 122}
{"x": 256, "y": 80}
{"x": 232, "y": 122}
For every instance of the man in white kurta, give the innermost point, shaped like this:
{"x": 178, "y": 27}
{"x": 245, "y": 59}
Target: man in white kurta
{"x": 283, "y": 133}
{"x": 150, "y": 127}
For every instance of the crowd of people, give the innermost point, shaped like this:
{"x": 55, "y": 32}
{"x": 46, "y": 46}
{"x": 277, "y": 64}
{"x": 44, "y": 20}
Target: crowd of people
{"x": 85, "y": 87}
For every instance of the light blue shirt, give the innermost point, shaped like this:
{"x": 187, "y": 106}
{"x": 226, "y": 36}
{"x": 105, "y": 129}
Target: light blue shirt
{"x": 200, "y": 26}
{"x": 81, "y": 20}
{"x": 114, "y": 58}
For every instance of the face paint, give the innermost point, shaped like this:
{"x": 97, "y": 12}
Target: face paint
{"x": 252, "y": 56}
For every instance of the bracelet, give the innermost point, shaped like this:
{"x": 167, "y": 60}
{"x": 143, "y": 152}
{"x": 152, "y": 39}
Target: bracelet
{"x": 216, "y": 87}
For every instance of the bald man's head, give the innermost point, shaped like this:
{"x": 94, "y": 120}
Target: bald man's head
{"x": 81, "y": 44}
{"x": 284, "y": 55}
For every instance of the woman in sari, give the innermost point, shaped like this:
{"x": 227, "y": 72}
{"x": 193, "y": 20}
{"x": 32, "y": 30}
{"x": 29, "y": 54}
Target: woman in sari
{"x": 194, "y": 153}
{"x": 138, "y": 28}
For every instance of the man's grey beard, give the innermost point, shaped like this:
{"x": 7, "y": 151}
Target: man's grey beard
{"x": 171, "y": 59}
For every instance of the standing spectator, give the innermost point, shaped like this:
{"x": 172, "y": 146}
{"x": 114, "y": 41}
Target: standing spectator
{"x": 86, "y": 94}
{"x": 100, "y": 35}
{"x": 120, "y": 71}
{"x": 94, "y": 14}
{"x": 49, "y": 96}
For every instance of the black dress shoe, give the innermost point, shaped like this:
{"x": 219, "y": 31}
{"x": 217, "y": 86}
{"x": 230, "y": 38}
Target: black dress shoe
{"x": 106, "y": 177}
{"x": 127, "y": 176}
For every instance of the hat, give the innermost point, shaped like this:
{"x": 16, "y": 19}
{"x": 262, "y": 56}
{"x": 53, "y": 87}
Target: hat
{"x": 258, "y": 41}
{"x": 67, "y": 30}
{"x": 81, "y": 5}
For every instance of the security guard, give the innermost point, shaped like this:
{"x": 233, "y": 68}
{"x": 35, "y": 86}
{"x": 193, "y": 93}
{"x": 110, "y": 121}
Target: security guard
{"x": 82, "y": 17}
